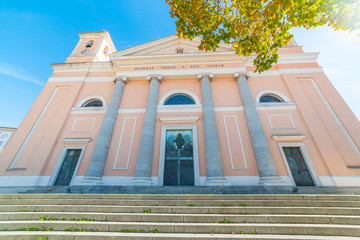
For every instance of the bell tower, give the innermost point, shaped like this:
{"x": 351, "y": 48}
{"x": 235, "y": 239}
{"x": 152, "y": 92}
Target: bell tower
{"x": 92, "y": 47}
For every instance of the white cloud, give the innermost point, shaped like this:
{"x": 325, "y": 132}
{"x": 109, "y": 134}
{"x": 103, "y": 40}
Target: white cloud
{"x": 19, "y": 73}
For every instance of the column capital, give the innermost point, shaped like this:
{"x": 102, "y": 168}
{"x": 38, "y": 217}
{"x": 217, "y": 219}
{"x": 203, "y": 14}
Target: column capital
{"x": 157, "y": 76}
{"x": 203, "y": 75}
{"x": 121, "y": 78}
{"x": 239, "y": 74}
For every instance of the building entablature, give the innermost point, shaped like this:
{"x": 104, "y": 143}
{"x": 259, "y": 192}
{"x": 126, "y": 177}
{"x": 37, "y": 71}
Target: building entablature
{"x": 82, "y": 66}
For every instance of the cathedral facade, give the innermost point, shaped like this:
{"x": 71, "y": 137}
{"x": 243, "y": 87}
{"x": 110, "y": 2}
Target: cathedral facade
{"x": 164, "y": 113}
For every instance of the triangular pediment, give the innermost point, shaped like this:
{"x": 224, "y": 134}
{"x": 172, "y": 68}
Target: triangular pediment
{"x": 171, "y": 45}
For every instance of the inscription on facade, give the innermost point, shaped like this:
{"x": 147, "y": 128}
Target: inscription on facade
{"x": 170, "y": 67}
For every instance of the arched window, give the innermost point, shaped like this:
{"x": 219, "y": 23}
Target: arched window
{"x": 93, "y": 103}
{"x": 269, "y": 97}
{"x": 179, "y": 99}
{"x": 90, "y": 43}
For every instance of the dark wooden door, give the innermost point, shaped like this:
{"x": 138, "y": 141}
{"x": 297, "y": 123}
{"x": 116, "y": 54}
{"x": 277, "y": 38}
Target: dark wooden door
{"x": 298, "y": 167}
{"x": 179, "y": 159}
{"x": 68, "y": 167}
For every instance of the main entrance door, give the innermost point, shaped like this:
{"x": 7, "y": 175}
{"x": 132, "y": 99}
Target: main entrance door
{"x": 298, "y": 167}
{"x": 179, "y": 158}
{"x": 68, "y": 167}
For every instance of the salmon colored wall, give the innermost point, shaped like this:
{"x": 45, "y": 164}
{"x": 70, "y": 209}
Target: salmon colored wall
{"x": 135, "y": 94}
{"x": 66, "y": 133}
{"x": 320, "y": 123}
{"x": 225, "y": 92}
{"x": 109, "y": 168}
{"x": 41, "y": 143}
{"x": 224, "y": 149}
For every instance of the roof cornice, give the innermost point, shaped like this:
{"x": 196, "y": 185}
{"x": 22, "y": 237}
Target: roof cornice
{"x": 82, "y": 66}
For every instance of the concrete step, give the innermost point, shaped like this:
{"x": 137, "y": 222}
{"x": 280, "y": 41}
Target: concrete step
{"x": 226, "y": 203}
{"x": 225, "y": 228}
{"x": 179, "y": 218}
{"x": 141, "y": 216}
{"x": 58, "y": 235}
{"x": 186, "y": 196}
{"x": 183, "y": 209}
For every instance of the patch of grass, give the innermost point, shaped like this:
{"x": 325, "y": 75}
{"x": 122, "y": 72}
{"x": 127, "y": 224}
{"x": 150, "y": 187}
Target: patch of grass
{"x": 141, "y": 231}
{"x": 127, "y": 230}
{"x": 147, "y": 211}
{"x": 154, "y": 231}
{"x": 241, "y": 232}
{"x": 191, "y": 205}
{"x": 42, "y": 238}
{"x": 81, "y": 219}
{"x": 156, "y": 205}
{"x": 25, "y": 211}
{"x": 225, "y": 221}
{"x": 240, "y": 213}
{"x": 226, "y": 205}
{"x": 242, "y": 205}
{"x": 254, "y": 232}
{"x": 44, "y": 218}
{"x": 80, "y": 230}
{"x": 42, "y": 228}
{"x": 244, "y": 221}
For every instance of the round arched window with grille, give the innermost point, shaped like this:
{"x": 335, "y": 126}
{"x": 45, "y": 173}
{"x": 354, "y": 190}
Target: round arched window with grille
{"x": 93, "y": 103}
{"x": 269, "y": 97}
{"x": 179, "y": 99}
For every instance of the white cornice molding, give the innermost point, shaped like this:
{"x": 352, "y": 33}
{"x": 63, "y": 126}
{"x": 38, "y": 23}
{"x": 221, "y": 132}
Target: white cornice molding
{"x": 276, "y": 106}
{"x": 199, "y": 58}
{"x": 88, "y": 110}
{"x": 184, "y": 74}
{"x": 179, "y": 119}
{"x": 82, "y": 66}
{"x": 7, "y": 129}
{"x": 173, "y": 59}
{"x": 76, "y": 140}
{"x": 179, "y": 108}
{"x": 294, "y": 137}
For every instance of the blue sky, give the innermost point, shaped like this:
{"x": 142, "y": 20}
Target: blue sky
{"x": 34, "y": 34}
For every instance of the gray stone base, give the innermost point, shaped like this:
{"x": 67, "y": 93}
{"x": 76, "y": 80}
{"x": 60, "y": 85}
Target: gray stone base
{"x": 182, "y": 190}
{"x": 91, "y": 181}
{"x": 141, "y": 181}
{"x": 272, "y": 181}
{"x": 217, "y": 181}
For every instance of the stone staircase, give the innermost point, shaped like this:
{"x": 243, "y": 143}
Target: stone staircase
{"x": 146, "y": 216}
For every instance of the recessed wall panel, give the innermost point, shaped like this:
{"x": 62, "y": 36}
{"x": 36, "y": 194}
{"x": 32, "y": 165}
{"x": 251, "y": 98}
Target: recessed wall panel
{"x": 123, "y": 153}
{"x": 234, "y": 142}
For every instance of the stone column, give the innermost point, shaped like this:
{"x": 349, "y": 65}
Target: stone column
{"x": 214, "y": 168}
{"x": 144, "y": 162}
{"x": 96, "y": 166}
{"x": 263, "y": 157}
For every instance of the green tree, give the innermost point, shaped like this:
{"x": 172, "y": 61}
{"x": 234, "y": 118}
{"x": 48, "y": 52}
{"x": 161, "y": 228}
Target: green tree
{"x": 258, "y": 27}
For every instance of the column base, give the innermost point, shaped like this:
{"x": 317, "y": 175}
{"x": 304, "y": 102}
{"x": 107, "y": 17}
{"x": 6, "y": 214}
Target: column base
{"x": 272, "y": 181}
{"x": 141, "y": 181}
{"x": 217, "y": 181}
{"x": 91, "y": 181}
